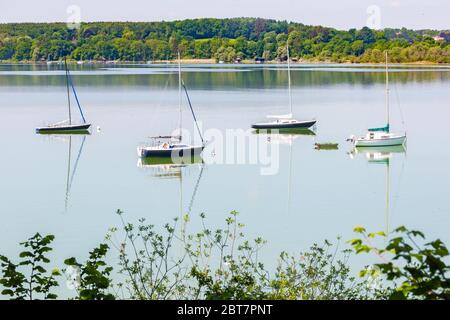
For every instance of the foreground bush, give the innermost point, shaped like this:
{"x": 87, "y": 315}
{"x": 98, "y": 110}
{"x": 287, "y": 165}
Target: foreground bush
{"x": 413, "y": 268}
{"x": 223, "y": 264}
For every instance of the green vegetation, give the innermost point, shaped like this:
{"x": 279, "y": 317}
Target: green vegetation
{"x": 225, "y": 40}
{"x": 19, "y": 286}
{"x": 416, "y": 270}
{"x": 223, "y": 264}
{"x": 92, "y": 279}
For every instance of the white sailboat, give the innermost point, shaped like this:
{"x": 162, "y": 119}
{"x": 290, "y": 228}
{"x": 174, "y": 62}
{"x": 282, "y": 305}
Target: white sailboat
{"x": 172, "y": 146}
{"x": 285, "y": 121}
{"x": 81, "y": 61}
{"x": 381, "y": 137}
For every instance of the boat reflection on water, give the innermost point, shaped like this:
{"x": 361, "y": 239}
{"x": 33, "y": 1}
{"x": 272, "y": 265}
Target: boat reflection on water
{"x": 167, "y": 168}
{"x": 286, "y": 132}
{"x": 377, "y": 154}
{"x": 381, "y": 155}
{"x": 286, "y": 137}
{"x": 71, "y": 171}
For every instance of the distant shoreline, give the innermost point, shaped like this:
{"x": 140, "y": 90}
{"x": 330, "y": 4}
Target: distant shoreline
{"x": 213, "y": 61}
{"x": 246, "y": 39}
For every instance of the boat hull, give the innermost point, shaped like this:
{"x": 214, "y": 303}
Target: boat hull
{"x": 392, "y": 141}
{"x": 173, "y": 153}
{"x": 275, "y": 125}
{"x": 78, "y": 128}
{"x": 294, "y": 131}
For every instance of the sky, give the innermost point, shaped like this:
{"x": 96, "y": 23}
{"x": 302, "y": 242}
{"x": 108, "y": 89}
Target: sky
{"x": 341, "y": 14}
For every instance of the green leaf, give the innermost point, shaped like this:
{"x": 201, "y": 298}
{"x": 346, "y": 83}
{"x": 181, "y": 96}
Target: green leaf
{"x": 397, "y": 295}
{"x": 24, "y": 254}
{"x": 71, "y": 262}
{"x": 7, "y": 292}
{"x": 359, "y": 229}
{"x": 56, "y": 272}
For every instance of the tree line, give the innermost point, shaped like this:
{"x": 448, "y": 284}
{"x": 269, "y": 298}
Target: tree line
{"x": 226, "y": 40}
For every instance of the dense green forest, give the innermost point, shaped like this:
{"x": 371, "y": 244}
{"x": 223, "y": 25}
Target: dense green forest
{"x": 225, "y": 40}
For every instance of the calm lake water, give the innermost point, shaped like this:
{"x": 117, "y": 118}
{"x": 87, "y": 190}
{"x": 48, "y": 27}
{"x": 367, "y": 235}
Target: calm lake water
{"x": 315, "y": 195}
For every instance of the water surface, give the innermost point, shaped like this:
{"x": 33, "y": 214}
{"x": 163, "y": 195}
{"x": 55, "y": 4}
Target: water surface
{"x": 316, "y": 195}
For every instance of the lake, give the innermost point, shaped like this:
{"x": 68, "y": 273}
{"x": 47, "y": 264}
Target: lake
{"x": 315, "y": 194}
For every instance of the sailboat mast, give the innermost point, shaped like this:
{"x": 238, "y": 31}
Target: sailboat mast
{"x": 387, "y": 91}
{"x": 179, "y": 93}
{"x": 68, "y": 91}
{"x": 289, "y": 76}
{"x": 192, "y": 112}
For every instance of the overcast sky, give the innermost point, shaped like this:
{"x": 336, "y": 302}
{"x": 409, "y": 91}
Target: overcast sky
{"x": 342, "y": 14}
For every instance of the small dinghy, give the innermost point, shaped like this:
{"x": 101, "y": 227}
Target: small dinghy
{"x": 285, "y": 122}
{"x": 67, "y": 126}
{"x": 172, "y": 146}
{"x": 381, "y": 137}
{"x": 326, "y": 146}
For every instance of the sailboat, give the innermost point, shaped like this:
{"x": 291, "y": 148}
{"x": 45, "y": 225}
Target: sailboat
{"x": 67, "y": 126}
{"x": 379, "y": 137}
{"x": 172, "y": 146}
{"x": 81, "y": 60}
{"x": 285, "y": 121}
